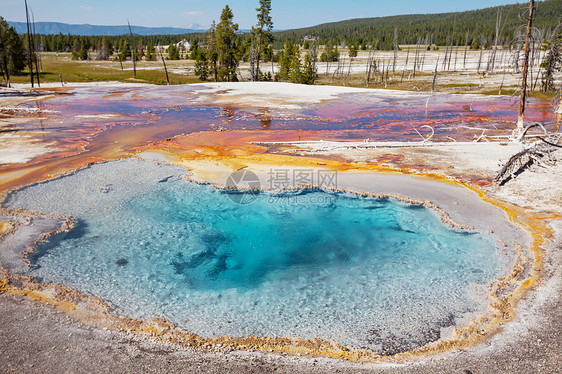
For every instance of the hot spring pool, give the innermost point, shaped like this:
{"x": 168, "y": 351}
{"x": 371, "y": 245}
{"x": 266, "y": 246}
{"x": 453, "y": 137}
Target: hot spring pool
{"x": 364, "y": 272}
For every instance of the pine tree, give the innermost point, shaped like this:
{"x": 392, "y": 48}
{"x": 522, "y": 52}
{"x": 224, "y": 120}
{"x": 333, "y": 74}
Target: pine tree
{"x": 353, "y": 50}
{"x": 309, "y": 74}
{"x": 194, "y": 50}
{"x": 76, "y": 49}
{"x": 226, "y": 46}
{"x": 295, "y": 73}
{"x": 285, "y": 61}
{"x": 211, "y": 51}
{"x": 83, "y": 52}
{"x": 173, "y": 53}
{"x": 104, "y": 53}
{"x": 150, "y": 52}
{"x": 553, "y": 60}
{"x": 124, "y": 49}
{"x": 262, "y": 33}
{"x": 335, "y": 54}
{"x": 12, "y": 54}
{"x": 201, "y": 68}
{"x": 290, "y": 66}
{"x": 330, "y": 54}
{"x": 140, "y": 51}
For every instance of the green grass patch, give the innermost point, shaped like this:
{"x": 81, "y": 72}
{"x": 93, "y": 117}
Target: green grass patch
{"x": 57, "y": 66}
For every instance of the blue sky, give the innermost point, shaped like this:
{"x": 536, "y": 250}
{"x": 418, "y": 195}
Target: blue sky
{"x": 184, "y": 13}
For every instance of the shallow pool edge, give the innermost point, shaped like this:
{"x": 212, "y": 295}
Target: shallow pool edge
{"x": 95, "y": 312}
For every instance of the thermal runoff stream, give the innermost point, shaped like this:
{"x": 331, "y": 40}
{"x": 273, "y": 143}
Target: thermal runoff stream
{"x": 363, "y": 272}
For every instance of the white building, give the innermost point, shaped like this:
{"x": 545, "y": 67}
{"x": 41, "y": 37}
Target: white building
{"x": 182, "y": 46}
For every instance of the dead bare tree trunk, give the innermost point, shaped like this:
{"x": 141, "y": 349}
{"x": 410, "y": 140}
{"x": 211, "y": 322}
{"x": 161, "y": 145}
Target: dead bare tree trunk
{"x": 327, "y": 61}
{"x": 313, "y": 56}
{"x": 29, "y": 59}
{"x": 338, "y": 73}
{"x": 369, "y": 70}
{"x": 252, "y": 58}
{"x": 516, "y": 61}
{"x": 35, "y": 57}
{"x": 258, "y": 56}
{"x": 537, "y": 45}
{"x": 416, "y": 57}
{"x": 480, "y": 58}
{"x": 386, "y": 78}
{"x": 452, "y": 42}
{"x": 446, "y": 53}
{"x": 523, "y": 98}
{"x": 465, "y": 50}
{"x": 42, "y": 49}
{"x": 405, "y": 65}
{"x": 501, "y": 85}
{"x": 165, "y": 68}
{"x": 456, "y": 53}
{"x": 559, "y": 112}
{"x": 531, "y": 62}
{"x": 425, "y": 45}
{"x": 133, "y": 47}
{"x": 502, "y": 56}
{"x": 395, "y": 49}
{"x": 434, "y": 76}
{"x": 492, "y": 60}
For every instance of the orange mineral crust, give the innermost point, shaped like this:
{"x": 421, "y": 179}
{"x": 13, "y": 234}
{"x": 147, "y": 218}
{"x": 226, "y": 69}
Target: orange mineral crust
{"x": 77, "y": 126}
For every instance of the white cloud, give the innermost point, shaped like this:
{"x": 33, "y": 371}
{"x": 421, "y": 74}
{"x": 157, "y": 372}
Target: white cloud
{"x": 86, "y": 8}
{"x": 193, "y": 13}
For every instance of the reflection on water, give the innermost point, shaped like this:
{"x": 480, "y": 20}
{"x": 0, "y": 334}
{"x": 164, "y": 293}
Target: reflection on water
{"x": 380, "y": 117}
{"x": 99, "y": 123}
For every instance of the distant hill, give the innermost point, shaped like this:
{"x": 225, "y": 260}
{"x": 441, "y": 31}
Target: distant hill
{"x": 478, "y": 23}
{"x": 478, "y": 26}
{"x": 91, "y": 30}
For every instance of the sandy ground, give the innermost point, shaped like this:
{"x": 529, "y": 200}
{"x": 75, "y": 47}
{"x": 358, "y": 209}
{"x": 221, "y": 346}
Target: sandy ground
{"x": 38, "y": 338}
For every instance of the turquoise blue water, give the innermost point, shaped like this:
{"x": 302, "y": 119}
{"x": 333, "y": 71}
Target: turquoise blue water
{"x": 368, "y": 273}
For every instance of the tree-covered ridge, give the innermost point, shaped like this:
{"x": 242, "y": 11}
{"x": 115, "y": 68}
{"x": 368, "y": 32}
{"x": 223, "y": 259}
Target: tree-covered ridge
{"x": 480, "y": 24}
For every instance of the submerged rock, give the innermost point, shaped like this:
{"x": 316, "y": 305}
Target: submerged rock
{"x": 122, "y": 262}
